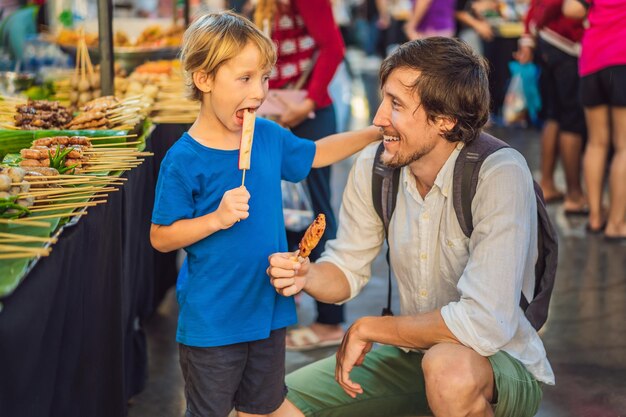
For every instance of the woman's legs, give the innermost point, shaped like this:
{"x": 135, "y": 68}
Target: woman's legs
{"x": 616, "y": 222}
{"x": 594, "y": 161}
{"x": 549, "y": 151}
{"x": 570, "y": 148}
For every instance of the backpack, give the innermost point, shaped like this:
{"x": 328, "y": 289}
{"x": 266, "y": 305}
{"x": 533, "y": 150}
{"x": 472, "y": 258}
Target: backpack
{"x": 465, "y": 180}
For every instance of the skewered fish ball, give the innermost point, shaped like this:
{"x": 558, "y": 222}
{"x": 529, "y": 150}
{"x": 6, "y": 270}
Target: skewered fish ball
{"x": 84, "y": 97}
{"x": 5, "y": 182}
{"x": 83, "y": 85}
{"x": 4, "y": 195}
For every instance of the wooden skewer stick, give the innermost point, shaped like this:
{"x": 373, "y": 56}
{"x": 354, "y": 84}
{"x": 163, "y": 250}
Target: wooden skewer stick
{"x": 67, "y": 181}
{"x": 86, "y": 177}
{"x": 75, "y": 197}
{"x": 36, "y": 251}
{"x": 28, "y": 223}
{"x": 52, "y": 216}
{"x": 68, "y": 191}
{"x": 116, "y": 152}
{"x": 105, "y": 145}
{"x": 16, "y": 255}
{"x": 134, "y": 135}
{"x": 25, "y": 238}
{"x": 56, "y": 207}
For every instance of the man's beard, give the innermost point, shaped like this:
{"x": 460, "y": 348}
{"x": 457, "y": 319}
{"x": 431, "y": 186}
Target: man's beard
{"x": 397, "y": 161}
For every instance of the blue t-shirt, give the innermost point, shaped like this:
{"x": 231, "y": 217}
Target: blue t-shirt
{"x": 226, "y": 296}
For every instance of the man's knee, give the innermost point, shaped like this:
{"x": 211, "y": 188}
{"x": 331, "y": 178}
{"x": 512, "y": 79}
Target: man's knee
{"x": 455, "y": 372}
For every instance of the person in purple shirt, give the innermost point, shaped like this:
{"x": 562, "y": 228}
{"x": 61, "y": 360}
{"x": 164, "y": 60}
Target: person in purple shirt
{"x": 431, "y": 18}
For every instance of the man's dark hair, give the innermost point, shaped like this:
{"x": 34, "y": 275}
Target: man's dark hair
{"x": 452, "y": 82}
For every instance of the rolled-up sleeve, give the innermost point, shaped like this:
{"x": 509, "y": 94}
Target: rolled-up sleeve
{"x": 503, "y": 251}
{"x": 360, "y": 234}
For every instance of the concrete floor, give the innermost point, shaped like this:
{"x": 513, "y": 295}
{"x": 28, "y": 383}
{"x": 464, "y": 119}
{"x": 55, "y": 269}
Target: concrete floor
{"x": 585, "y": 335}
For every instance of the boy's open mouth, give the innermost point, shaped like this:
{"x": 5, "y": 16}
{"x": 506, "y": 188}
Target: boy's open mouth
{"x": 239, "y": 113}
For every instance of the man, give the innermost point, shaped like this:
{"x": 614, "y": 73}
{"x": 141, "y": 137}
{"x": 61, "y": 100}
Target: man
{"x": 462, "y": 345}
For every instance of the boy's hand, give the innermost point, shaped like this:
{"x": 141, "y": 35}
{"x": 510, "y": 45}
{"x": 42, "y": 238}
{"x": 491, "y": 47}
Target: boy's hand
{"x": 287, "y": 274}
{"x": 233, "y": 207}
{"x": 523, "y": 55}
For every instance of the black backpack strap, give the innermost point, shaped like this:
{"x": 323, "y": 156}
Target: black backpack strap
{"x": 385, "y": 184}
{"x": 465, "y": 179}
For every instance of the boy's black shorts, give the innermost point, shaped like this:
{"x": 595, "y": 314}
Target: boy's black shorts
{"x": 605, "y": 87}
{"x": 248, "y": 376}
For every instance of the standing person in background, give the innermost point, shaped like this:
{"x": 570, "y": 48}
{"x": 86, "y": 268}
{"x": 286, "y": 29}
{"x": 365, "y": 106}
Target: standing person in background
{"x": 555, "y": 39}
{"x": 473, "y": 28}
{"x": 603, "y": 91}
{"x": 431, "y": 18}
{"x": 306, "y": 35}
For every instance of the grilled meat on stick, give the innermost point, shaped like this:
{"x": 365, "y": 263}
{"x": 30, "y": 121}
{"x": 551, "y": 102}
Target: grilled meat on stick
{"x": 245, "y": 148}
{"x": 63, "y": 141}
{"x": 102, "y": 104}
{"x": 312, "y": 236}
{"x": 41, "y": 152}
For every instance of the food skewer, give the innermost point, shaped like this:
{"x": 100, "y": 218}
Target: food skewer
{"x": 25, "y": 223}
{"x": 245, "y": 148}
{"x": 311, "y": 238}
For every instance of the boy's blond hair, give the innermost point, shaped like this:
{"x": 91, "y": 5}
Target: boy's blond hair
{"x": 215, "y": 38}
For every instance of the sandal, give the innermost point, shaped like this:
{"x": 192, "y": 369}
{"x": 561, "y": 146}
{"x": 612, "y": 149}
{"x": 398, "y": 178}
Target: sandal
{"x": 303, "y": 339}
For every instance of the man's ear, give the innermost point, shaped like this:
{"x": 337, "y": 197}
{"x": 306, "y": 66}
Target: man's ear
{"x": 203, "y": 81}
{"x": 445, "y": 123}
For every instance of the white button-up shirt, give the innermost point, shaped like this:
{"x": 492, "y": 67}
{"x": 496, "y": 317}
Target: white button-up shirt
{"x": 476, "y": 282}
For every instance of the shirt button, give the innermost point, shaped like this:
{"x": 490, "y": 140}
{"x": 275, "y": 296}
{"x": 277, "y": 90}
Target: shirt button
{"x": 449, "y": 243}
{"x": 424, "y": 256}
{"x": 425, "y": 216}
{"x": 423, "y": 293}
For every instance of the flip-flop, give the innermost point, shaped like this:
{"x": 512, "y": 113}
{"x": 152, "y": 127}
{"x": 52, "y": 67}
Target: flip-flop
{"x": 593, "y": 231}
{"x": 303, "y": 339}
{"x": 583, "y": 211}
{"x": 615, "y": 239}
{"x": 556, "y": 198}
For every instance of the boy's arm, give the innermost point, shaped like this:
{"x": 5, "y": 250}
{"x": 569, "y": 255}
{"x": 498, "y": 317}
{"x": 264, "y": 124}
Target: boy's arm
{"x": 336, "y": 147}
{"x": 185, "y": 232}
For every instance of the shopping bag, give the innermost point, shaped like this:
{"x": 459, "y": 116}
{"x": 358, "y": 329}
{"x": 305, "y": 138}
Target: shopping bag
{"x": 297, "y": 207}
{"x": 522, "y": 100}
{"x": 514, "y": 108}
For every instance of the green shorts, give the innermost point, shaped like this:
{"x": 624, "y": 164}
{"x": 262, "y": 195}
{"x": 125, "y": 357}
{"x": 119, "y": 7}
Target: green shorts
{"x": 393, "y": 385}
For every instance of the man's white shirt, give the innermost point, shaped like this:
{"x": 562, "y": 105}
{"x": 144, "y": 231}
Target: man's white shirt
{"x": 478, "y": 296}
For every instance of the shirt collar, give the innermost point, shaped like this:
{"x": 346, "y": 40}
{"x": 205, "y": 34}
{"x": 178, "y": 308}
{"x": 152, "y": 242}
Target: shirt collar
{"x": 446, "y": 173}
{"x": 443, "y": 181}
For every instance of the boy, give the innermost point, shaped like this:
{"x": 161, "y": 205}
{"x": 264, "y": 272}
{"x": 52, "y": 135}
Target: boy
{"x": 231, "y": 326}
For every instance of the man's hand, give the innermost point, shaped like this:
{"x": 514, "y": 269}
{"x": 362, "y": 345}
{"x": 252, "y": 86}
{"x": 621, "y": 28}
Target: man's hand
{"x": 351, "y": 353}
{"x": 295, "y": 113}
{"x": 233, "y": 207}
{"x": 287, "y": 274}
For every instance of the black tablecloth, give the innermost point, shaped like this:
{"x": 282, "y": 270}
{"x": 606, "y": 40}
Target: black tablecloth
{"x": 71, "y": 342}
